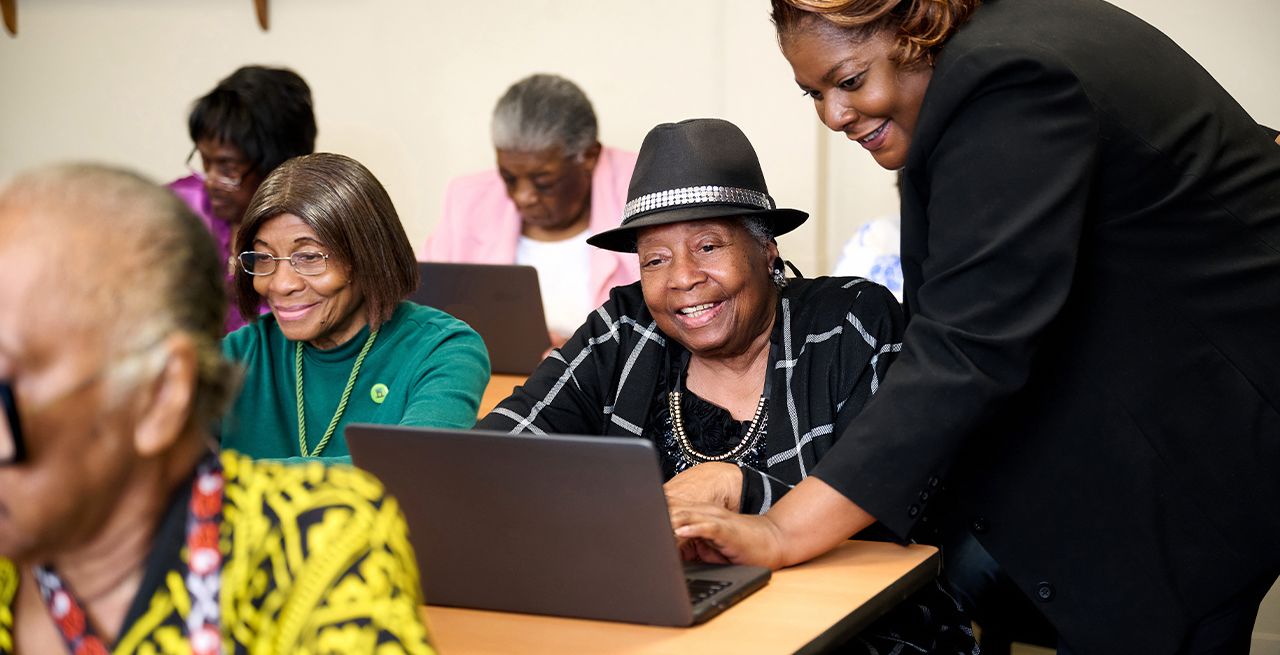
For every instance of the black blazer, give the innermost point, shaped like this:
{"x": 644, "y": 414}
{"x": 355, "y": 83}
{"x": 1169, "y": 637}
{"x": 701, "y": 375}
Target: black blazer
{"x": 1091, "y": 251}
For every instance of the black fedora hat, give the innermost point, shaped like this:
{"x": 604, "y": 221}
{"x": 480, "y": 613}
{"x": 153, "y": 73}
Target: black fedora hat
{"x": 692, "y": 170}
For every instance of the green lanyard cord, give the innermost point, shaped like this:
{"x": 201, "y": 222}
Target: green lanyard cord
{"x": 342, "y": 404}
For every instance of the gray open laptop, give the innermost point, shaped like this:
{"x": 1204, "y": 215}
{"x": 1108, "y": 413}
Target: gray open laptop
{"x": 568, "y": 526}
{"x": 500, "y": 302}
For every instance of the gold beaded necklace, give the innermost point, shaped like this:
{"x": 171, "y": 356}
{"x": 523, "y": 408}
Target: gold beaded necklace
{"x": 759, "y": 420}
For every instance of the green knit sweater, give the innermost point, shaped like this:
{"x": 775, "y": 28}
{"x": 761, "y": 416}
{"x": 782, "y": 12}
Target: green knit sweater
{"x": 425, "y": 368}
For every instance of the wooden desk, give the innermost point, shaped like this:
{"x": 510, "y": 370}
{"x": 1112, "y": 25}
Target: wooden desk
{"x": 803, "y": 609}
{"x": 500, "y": 386}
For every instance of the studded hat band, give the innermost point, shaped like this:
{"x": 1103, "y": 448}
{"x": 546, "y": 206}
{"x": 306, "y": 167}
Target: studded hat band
{"x": 696, "y": 195}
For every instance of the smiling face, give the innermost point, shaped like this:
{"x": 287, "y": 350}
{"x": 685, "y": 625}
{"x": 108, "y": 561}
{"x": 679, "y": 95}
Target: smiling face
{"x": 551, "y": 191}
{"x": 856, "y": 88}
{"x": 324, "y": 310}
{"x": 707, "y": 284}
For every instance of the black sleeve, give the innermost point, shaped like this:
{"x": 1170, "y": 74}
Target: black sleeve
{"x": 759, "y": 490}
{"x": 568, "y": 391}
{"x": 1008, "y": 187}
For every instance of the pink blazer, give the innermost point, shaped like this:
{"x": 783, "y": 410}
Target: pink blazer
{"x": 480, "y": 224}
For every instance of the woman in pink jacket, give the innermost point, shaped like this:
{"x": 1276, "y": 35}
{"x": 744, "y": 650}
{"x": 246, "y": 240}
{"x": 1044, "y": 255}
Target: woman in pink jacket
{"x": 554, "y": 186}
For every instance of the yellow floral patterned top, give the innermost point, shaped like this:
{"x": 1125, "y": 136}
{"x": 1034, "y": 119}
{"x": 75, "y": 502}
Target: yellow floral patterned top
{"x": 316, "y": 560}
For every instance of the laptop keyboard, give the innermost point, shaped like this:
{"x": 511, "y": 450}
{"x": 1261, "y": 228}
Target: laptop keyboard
{"x": 700, "y": 590}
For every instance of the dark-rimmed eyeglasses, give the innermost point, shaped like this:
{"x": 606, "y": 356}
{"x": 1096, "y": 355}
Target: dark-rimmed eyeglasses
{"x": 305, "y": 262}
{"x": 12, "y": 450}
{"x": 220, "y": 174}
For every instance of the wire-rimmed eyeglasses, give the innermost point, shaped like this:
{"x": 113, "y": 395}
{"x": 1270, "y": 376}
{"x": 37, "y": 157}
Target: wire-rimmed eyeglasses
{"x": 217, "y": 173}
{"x": 305, "y": 262}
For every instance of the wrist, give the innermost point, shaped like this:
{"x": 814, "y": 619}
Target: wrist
{"x": 778, "y": 552}
{"x": 812, "y": 519}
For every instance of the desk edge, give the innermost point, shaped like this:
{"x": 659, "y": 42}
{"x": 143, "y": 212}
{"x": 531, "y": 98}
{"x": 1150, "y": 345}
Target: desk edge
{"x": 865, "y": 614}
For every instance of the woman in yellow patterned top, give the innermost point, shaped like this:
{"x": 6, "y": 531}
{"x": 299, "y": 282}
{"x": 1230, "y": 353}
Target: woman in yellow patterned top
{"x": 120, "y": 530}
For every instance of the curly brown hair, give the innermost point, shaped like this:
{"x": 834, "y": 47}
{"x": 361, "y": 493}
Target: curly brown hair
{"x": 921, "y": 26}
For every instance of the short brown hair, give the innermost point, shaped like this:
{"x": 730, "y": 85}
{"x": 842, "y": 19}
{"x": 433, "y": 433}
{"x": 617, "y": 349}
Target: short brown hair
{"x": 921, "y": 27}
{"x": 351, "y": 214}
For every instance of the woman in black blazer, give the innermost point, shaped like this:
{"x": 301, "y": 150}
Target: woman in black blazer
{"x": 1090, "y": 375}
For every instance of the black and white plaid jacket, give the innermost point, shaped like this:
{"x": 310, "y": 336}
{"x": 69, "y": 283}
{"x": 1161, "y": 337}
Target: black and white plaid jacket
{"x": 836, "y": 337}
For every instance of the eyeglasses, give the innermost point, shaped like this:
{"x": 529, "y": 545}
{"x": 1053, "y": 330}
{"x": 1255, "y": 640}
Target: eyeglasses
{"x": 225, "y": 173}
{"x": 305, "y": 262}
{"x": 11, "y": 448}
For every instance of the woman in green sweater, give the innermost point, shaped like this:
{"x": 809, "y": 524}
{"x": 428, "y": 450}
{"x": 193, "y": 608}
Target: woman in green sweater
{"x": 322, "y": 246}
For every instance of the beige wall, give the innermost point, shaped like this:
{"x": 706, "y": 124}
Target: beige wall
{"x": 406, "y": 86}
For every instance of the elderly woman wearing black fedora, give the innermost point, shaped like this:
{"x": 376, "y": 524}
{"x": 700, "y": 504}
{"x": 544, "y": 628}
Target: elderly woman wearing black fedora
{"x": 741, "y": 377}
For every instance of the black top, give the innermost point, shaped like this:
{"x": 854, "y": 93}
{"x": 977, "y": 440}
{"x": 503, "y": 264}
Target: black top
{"x": 166, "y": 551}
{"x": 710, "y": 429}
{"x": 835, "y": 339}
{"x": 1091, "y": 257}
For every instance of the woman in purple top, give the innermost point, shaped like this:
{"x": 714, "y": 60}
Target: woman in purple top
{"x": 250, "y": 123}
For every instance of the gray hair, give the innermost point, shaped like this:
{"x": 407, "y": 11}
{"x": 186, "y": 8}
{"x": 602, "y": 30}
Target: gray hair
{"x": 544, "y": 111}
{"x": 136, "y": 264}
{"x": 759, "y": 229}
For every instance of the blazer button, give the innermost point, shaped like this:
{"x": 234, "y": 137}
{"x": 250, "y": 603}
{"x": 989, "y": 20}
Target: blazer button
{"x": 913, "y": 511}
{"x": 1044, "y": 591}
{"x": 933, "y": 481}
{"x": 980, "y": 525}
{"x": 924, "y": 496}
